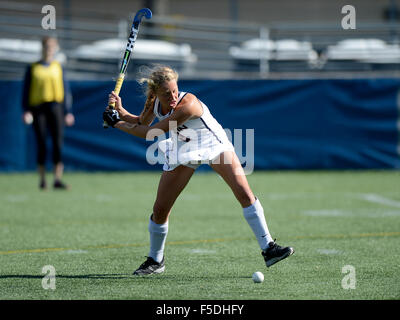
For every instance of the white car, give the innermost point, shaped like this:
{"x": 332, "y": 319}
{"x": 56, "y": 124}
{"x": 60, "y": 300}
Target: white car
{"x": 17, "y": 54}
{"x": 144, "y": 51}
{"x": 254, "y": 49}
{"x": 24, "y": 51}
{"x": 364, "y": 50}
{"x": 286, "y": 49}
{"x": 279, "y": 52}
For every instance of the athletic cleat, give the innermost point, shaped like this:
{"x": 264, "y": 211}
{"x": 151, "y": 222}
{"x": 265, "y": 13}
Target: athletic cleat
{"x": 150, "y": 266}
{"x": 42, "y": 185}
{"x": 60, "y": 185}
{"x": 275, "y": 253}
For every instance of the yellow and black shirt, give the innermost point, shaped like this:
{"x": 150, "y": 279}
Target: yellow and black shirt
{"x": 45, "y": 83}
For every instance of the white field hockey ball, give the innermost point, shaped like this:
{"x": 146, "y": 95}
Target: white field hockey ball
{"x": 258, "y": 277}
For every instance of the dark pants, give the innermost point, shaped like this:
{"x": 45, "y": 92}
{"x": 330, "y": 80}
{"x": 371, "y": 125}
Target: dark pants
{"x": 49, "y": 116}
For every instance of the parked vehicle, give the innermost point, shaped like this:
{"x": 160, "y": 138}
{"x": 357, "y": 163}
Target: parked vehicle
{"x": 280, "y": 55}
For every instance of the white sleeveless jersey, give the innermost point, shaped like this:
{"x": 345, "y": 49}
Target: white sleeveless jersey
{"x": 195, "y": 141}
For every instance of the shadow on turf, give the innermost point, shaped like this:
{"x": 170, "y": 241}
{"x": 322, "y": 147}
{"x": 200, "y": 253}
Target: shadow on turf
{"x": 114, "y": 276}
{"x": 83, "y": 276}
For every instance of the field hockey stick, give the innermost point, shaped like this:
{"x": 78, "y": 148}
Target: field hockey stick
{"x": 142, "y": 13}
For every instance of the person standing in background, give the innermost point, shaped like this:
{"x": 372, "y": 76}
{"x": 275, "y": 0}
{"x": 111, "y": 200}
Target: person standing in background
{"x": 47, "y": 104}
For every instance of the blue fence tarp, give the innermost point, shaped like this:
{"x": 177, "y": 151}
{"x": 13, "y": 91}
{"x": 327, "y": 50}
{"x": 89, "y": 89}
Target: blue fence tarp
{"x": 298, "y": 124}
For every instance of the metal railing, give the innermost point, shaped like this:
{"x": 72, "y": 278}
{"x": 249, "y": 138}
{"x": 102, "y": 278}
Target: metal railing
{"x": 210, "y": 41}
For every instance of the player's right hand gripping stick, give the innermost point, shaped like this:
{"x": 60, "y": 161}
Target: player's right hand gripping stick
{"x": 111, "y": 117}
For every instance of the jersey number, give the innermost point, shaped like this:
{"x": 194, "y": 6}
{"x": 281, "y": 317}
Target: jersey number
{"x": 182, "y": 127}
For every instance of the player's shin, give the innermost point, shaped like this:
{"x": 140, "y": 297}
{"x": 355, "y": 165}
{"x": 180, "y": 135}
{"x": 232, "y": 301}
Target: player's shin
{"x": 254, "y": 216}
{"x": 158, "y": 236}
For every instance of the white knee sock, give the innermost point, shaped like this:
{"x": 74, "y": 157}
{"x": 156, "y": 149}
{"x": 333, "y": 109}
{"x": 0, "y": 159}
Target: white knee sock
{"x": 158, "y": 235}
{"x": 254, "y": 216}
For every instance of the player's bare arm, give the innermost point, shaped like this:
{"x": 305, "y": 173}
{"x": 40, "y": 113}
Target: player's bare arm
{"x": 189, "y": 108}
{"x": 145, "y": 118}
{"x": 123, "y": 113}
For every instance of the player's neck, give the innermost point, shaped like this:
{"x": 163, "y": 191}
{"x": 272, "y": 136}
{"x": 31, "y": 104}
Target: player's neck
{"x": 47, "y": 59}
{"x": 165, "y": 109}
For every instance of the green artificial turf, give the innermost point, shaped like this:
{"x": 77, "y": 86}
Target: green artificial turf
{"x": 95, "y": 235}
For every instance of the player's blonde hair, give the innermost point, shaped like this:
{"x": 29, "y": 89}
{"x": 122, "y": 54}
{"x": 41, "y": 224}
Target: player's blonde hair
{"x": 153, "y": 77}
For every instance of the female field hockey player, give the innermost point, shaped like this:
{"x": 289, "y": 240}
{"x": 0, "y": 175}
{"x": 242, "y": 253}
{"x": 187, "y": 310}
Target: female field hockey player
{"x": 196, "y": 137}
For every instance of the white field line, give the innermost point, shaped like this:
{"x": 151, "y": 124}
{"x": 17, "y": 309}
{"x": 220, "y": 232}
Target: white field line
{"x": 371, "y": 197}
{"x": 15, "y": 198}
{"x": 328, "y": 251}
{"x": 202, "y": 251}
{"x": 366, "y": 213}
{"x": 227, "y": 195}
{"x": 72, "y": 251}
{"x": 326, "y": 213}
{"x": 103, "y": 198}
{"x": 190, "y": 242}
